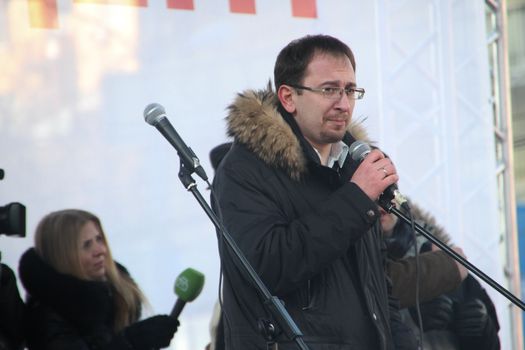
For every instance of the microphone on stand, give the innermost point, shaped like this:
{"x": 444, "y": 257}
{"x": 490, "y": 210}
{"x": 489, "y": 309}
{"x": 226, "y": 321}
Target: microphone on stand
{"x": 155, "y": 115}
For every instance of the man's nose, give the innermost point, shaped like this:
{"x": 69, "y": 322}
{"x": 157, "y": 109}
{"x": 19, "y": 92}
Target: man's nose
{"x": 344, "y": 103}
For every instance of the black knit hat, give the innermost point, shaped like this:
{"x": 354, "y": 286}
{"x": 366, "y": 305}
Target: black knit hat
{"x": 218, "y": 153}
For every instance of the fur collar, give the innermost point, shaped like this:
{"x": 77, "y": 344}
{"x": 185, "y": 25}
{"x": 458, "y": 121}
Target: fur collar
{"x": 427, "y": 221}
{"x": 84, "y": 303}
{"x": 254, "y": 121}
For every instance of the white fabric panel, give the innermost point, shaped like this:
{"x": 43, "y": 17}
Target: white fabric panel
{"x": 72, "y": 132}
{"x": 437, "y": 123}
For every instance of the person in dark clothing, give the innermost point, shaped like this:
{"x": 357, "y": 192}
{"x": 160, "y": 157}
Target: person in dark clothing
{"x": 303, "y": 213}
{"x": 12, "y": 310}
{"x": 438, "y": 272}
{"x": 79, "y": 297}
{"x": 460, "y": 319}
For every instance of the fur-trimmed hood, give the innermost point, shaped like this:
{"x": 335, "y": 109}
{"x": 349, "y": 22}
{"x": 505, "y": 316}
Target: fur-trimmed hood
{"x": 428, "y": 222}
{"x": 255, "y": 121}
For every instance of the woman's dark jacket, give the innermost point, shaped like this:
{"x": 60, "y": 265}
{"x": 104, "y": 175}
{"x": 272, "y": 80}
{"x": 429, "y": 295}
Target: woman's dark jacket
{"x": 65, "y": 312}
{"x": 311, "y": 235}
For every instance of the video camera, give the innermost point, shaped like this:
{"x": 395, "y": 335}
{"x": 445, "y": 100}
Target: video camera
{"x": 12, "y": 217}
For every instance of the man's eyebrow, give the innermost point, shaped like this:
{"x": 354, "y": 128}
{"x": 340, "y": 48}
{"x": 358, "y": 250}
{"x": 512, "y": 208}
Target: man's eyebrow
{"x": 337, "y": 82}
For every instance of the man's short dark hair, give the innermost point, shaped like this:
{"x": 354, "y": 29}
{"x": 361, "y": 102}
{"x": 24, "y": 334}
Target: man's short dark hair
{"x": 292, "y": 61}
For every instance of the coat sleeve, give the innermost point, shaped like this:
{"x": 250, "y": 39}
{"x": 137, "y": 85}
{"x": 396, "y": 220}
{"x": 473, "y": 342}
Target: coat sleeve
{"x": 433, "y": 281}
{"x": 287, "y": 246}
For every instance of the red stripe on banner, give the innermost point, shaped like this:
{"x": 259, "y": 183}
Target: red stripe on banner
{"x": 138, "y": 3}
{"x": 304, "y": 8}
{"x": 180, "y": 4}
{"x": 43, "y": 14}
{"x": 242, "y": 6}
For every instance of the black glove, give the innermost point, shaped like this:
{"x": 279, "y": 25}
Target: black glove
{"x": 471, "y": 318}
{"x": 153, "y": 332}
{"x": 437, "y": 313}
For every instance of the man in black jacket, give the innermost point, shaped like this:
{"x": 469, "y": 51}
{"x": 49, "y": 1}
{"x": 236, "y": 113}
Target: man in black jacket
{"x": 11, "y": 311}
{"x": 464, "y": 316}
{"x": 303, "y": 213}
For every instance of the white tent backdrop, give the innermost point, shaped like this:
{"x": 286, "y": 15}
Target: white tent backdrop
{"x": 72, "y": 132}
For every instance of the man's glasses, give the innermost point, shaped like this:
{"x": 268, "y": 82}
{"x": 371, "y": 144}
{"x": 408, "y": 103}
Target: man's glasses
{"x": 335, "y": 93}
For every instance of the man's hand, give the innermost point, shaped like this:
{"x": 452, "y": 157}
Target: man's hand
{"x": 375, "y": 173}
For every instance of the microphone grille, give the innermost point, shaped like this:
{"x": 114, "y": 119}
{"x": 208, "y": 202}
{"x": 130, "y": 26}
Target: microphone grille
{"x": 359, "y": 150}
{"x": 153, "y": 113}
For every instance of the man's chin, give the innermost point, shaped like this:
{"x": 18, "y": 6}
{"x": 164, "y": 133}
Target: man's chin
{"x": 333, "y": 137}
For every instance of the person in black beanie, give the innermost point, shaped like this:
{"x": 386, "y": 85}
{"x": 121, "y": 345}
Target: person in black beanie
{"x": 462, "y": 318}
{"x": 79, "y": 297}
{"x": 11, "y": 311}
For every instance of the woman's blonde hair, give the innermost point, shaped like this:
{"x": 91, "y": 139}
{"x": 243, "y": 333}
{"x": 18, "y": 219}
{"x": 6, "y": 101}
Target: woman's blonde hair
{"x": 57, "y": 242}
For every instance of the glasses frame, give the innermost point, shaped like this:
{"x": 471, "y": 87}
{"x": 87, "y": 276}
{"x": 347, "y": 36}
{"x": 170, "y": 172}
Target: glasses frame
{"x": 349, "y": 92}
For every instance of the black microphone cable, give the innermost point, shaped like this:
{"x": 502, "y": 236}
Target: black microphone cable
{"x": 416, "y": 256}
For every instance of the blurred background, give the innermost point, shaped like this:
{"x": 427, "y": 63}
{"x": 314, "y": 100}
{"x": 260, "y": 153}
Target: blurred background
{"x": 445, "y": 82}
{"x": 516, "y": 54}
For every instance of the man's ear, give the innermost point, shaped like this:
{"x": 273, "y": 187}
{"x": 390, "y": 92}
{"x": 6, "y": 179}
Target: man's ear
{"x": 285, "y": 95}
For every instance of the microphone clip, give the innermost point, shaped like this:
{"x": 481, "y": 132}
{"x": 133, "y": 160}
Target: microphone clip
{"x": 395, "y": 200}
{"x": 185, "y": 176}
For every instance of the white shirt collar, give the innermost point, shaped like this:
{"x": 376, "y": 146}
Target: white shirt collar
{"x": 338, "y": 153}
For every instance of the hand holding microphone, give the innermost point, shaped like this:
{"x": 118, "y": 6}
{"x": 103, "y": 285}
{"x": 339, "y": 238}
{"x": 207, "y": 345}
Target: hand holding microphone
{"x": 157, "y": 331}
{"x": 154, "y": 332}
{"x": 376, "y": 175}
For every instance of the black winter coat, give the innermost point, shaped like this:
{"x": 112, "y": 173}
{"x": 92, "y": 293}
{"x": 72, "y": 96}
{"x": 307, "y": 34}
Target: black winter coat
{"x": 12, "y": 310}
{"x": 311, "y": 235}
{"x": 67, "y": 313}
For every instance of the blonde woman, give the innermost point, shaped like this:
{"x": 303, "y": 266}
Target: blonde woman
{"x": 78, "y": 297}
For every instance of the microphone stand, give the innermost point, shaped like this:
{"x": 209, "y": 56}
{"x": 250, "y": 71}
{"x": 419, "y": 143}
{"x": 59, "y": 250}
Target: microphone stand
{"x": 389, "y": 207}
{"x": 274, "y": 304}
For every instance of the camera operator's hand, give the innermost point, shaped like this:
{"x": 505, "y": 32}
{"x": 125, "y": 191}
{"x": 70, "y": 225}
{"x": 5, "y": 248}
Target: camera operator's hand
{"x": 153, "y": 332}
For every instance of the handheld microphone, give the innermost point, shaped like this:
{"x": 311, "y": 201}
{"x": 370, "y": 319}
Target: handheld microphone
{"x": 155, "y": 115}
{"x": 358, "y": 151}
{"x": 188, "y": 286}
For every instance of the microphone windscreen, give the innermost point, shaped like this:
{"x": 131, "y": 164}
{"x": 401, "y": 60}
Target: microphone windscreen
{"x": 188, "y": 284}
